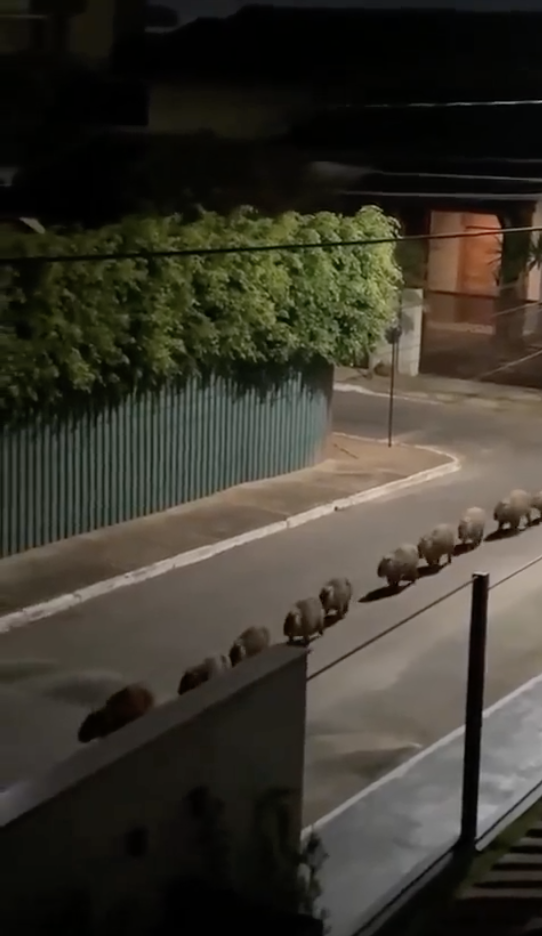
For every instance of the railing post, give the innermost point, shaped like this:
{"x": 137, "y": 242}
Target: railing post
{"x": 474, "y": 710}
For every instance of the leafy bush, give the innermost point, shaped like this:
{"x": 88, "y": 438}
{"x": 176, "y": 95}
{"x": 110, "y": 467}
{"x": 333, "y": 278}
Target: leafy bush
{"x": 111, "y": 327}
{"x": 411, "y": 256}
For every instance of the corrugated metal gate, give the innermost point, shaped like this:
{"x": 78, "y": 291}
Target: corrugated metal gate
{"x": 155, "y": 452}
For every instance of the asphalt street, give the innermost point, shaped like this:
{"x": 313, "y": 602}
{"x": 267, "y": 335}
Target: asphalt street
{"x": 381, "y": 704}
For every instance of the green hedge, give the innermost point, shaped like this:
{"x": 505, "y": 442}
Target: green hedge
{"x": 104, "y": 329}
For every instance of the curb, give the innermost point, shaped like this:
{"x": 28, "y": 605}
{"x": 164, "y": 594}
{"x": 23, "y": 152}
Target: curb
{"x": 415, "y": 397}
{"x": 439, "y": 396}
{"x": 62, "y": 603}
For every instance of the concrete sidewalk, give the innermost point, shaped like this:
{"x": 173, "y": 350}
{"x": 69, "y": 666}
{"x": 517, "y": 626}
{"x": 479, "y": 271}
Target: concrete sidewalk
{"x": 45, "y": 581}
{"x": 380, "y": 840}
{"x": 438, "y": 389}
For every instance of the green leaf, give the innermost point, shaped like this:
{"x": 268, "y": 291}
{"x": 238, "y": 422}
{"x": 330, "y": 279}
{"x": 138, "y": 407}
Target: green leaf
{"x": 79, "y": 331}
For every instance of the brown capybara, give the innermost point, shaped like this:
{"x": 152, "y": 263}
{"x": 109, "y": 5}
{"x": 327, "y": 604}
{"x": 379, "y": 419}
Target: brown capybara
{"x": 470, "y": 531}
{"x": 436, "y": 544}
{"x": 121, "y": 708}
{"x": 401, "y": 565}
{"x": 304, "y": 620}
{"x": 336, "y": 596}
{"x": 203, "y": 672}
{"x": 251, "y": 642}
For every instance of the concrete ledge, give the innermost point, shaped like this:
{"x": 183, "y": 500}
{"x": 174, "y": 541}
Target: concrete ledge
{"x": 27, "y": 795}
{"x": 132, "y": 805}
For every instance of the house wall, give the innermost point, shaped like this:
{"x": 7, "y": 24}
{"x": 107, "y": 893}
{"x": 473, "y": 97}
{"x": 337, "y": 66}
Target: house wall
{"x": 104, "y": 832}
{"x": 534, "y": 276}
{"x": 479, "y": 255}
{"x": 93, "y": 32}
{"x": 466, "y": 265}
{"x": 462, "y": 272}
{"x": 90, "y": 34}
{"x": 443, "y": 255}
{"x": 15, "y": 35}
{"x": 228, "y": 111}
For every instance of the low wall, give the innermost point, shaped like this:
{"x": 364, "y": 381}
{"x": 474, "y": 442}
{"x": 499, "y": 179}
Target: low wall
{"x": 410, "y": 317}
{"x": 157, "y": 451}
{"x": 97, "y": 840}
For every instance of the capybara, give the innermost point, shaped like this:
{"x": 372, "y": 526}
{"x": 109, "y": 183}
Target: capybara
{"x": 305, "y": 619}
{"x": 401, "y": 565}
{"x": 203, "y": 672}
{"x": 336, "y": 596}
{"x": 436, "y": 544}
{"x": 120, "y": 709}
{"x": 470, "y": 530}
{"x": 252, "y": 641}
{"x": 511, "y": 510}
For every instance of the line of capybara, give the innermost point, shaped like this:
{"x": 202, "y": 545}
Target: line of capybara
{"x": 308, "y": 617}
{"x": 304, "y": 620}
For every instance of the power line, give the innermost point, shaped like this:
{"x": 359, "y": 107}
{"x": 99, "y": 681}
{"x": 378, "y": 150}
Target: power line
{"x": 254, "y": 248}
{"x": 406, "y": 105}
{"x": 451, "y": 196}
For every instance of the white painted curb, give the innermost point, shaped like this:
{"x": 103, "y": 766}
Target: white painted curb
{"x": 365, "y": 391}
{"x": 64, "y": 602}
{"x": 442, "y": 396}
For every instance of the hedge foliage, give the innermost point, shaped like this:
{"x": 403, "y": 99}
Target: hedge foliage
{"x": 106, "y": 328}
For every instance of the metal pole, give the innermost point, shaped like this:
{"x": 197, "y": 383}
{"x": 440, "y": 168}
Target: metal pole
{"x": 474, "y": 710}
{"x": 392, "y": 390}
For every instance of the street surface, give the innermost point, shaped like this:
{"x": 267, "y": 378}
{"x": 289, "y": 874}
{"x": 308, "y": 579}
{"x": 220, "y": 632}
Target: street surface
{"x": 380, "y": 705}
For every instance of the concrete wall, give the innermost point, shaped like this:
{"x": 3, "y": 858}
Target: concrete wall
{"x": 409, "y": 345}
{"x": 67, "y": 836}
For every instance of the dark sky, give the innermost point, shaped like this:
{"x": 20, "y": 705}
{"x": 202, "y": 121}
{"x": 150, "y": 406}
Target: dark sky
{"x": 188, "y": 8}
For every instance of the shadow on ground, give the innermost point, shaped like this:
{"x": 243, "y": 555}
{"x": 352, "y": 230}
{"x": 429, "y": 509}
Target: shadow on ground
{"x": 462, "y": 549}
{"x": 389, "y": 591}
{"x": 498, "y": 535}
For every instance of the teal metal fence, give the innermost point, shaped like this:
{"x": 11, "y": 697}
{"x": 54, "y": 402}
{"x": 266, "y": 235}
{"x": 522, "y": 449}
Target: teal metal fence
{"x": 154, "y": 452}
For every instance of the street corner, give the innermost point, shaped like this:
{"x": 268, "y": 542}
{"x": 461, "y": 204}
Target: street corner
{"x": 367, "y": 469}
{"x": 401, "y": 458}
